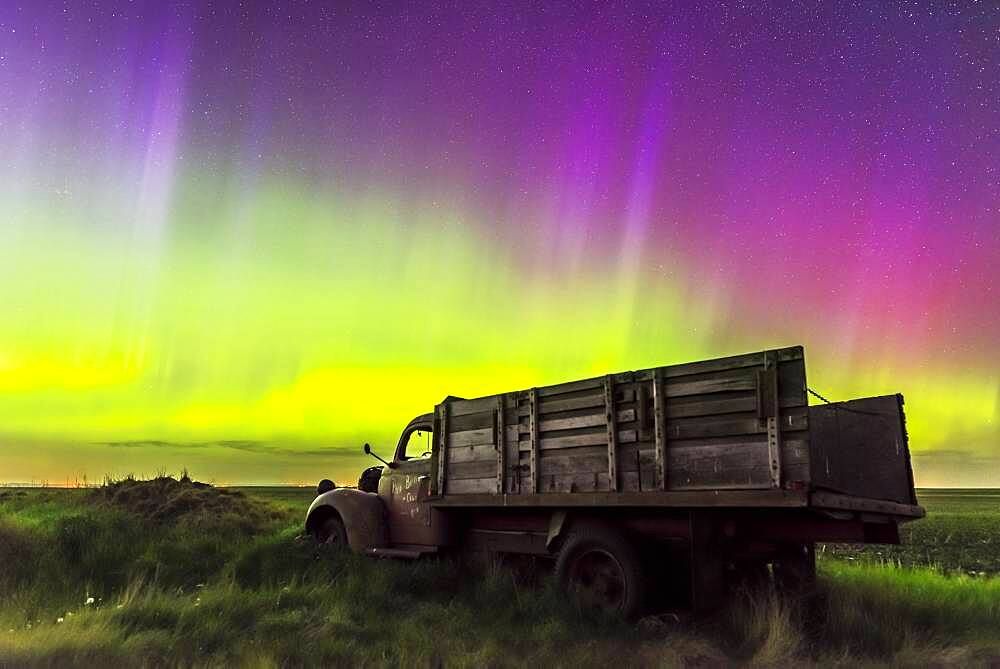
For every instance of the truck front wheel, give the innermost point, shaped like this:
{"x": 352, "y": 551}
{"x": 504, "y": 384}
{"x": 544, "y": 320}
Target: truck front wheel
{"x": 602, "y": 569}
{"x": 331, "y": 532}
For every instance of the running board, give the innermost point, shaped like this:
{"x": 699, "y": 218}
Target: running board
{"x": 400, "y": 553}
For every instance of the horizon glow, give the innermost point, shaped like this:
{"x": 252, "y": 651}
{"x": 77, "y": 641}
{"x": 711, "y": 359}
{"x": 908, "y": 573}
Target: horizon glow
{"x": 247, "y": 240}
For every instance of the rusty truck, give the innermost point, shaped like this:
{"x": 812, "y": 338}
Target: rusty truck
{"x": 687, "y": 477}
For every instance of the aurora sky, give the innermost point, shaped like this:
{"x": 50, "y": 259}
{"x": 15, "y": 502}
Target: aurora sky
{"x": 247, "y": 237}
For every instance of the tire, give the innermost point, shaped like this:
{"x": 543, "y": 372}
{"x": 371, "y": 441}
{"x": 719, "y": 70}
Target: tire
{"x": 602, "y": 569}
{"x": 750, "y": 575}
{"x": 795, "y": 569}
{"x": 332, "y": 533}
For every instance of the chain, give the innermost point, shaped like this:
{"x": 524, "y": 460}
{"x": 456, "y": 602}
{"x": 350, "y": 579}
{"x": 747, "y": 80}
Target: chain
{"x": 816, "y": 394}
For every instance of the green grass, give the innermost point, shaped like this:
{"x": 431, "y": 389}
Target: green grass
{"x": 191, "y": 589}
{"x": 961, "y": 534}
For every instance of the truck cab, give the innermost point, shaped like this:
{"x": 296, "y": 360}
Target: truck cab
{"x": 405, "y": 486}
{"x": 387, "y": 515}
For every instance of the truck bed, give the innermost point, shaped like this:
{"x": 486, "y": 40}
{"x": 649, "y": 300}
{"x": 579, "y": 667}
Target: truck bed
{"x": 735, "y": 432}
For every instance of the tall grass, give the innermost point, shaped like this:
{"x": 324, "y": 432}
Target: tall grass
{"x": 174, "y": 594}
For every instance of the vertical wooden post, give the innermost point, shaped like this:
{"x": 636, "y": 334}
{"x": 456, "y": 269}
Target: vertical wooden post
{"x": 533, "y": 436}
{"x": 773, "y": 418}
{"x": 660, "y": 428}
{"x": 501, "y": 445}
{"x": 442, "y": 453}
{"x": 609, "y": 409}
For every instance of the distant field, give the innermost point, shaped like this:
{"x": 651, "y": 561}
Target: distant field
{"x": 168, "y": 574}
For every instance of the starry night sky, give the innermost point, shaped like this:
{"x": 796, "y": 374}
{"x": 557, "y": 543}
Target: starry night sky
{"x": 246, "y": 237}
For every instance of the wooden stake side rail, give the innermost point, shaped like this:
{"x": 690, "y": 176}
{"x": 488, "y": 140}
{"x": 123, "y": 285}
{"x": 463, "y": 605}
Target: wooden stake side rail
{"x": 737, "y": 423}
{"x": 501, "y": 442}
{"x": 533, "y": 439}
{"x": 612, "y": 431}
{"x": 773, "y": 412}
{"x": 660, "y": 430}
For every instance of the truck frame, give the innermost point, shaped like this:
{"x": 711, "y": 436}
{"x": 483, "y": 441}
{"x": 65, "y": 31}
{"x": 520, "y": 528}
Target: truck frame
{"x": 678, "y": 479}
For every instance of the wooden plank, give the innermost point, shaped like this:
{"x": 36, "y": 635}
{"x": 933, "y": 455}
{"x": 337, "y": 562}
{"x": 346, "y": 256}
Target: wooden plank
{"x": 477, "y": 405}
{"x": 590, "y": 439}
{"x": 751, "y": 477}
{"x": 533, "y": 439}
{"x": 501, "y": 445}
{"x": 569, "y": 387}
{"x": 471, "y": 453}
{"x": 745, "y": 381}
{"x": 731, "y": 362}
{"x": 721, "y": 403}
{"x": 706, "y": 405}
{"x": 587, "y": 420}
{"x": 660, "y": 430}
{"x": 471, "y": 437}
{"x": 731, "y": 425}
{"x": 722, "y": 443}
{"x": 472, "y": 469}
{"x": 588, "y": 401}
{"x": 442, "y": 454}
{"x": 477, "y": 421}
{"x": 583, "y": 459}
{"x": 736, "y": 499}
{"x": 473, "y": 486}
{"x": 612, "y": 430}
{"x": 575, "y": 483}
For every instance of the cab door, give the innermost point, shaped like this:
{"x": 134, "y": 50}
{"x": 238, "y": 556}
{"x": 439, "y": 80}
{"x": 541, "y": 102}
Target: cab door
{"x": 406, "y": 485}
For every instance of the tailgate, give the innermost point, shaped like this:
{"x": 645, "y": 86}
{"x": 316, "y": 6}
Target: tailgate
{"x": 859, "y": 448}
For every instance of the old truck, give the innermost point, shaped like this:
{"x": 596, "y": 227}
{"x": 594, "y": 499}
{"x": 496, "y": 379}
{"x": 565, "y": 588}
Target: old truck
{"x": 679, "y": 478}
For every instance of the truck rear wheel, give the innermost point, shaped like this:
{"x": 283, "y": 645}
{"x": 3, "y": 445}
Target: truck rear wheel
{"x": 795, "y": 569}
{"x": 602, "y": 569}
{"x": 331, "y": 532}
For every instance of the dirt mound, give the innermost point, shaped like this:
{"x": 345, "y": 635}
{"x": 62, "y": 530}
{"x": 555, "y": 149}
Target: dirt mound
{"x": 166, "y": 500}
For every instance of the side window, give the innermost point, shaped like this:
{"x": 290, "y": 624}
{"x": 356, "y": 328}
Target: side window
{"x": 418, "y": 445}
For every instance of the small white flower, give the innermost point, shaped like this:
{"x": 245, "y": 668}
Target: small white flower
{"x": 90, "y": 600}
{"x": 120, "y": 606}
{"x": 59, "y": 620}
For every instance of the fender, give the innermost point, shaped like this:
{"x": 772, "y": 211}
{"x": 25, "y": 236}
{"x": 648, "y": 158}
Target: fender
{"x": 362, "y": 513}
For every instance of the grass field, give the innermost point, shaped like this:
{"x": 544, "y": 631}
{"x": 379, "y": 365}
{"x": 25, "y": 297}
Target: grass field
{"x": 180, "y": 576}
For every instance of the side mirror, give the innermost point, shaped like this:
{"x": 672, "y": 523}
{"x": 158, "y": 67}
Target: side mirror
{"x": 368, "y": 451}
